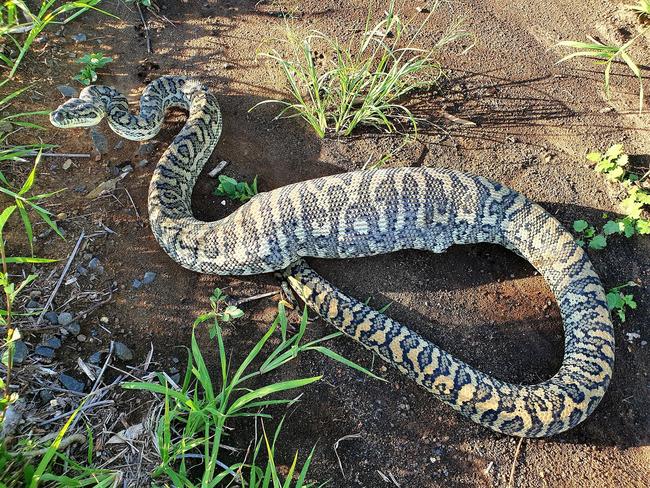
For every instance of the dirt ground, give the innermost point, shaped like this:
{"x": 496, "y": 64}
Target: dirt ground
{"x": 534, "y": 121}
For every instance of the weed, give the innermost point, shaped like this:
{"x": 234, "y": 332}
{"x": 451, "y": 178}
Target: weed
{"x": 91, "y": 63}
{"x": 618, "y": 301}
{"x": 363, "y": 82}
{"x": 236, "y": 190}
{"x": 641, "y": 8}
{"x": 23, "y": 33}
{"x": 192, "y": 426}
{"x": 589, "y": 236}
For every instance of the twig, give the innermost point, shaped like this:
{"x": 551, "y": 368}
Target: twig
{"x": 62, "y": 445}
{"x": 146, "y": 28}
{"x": 336, "y": 446}
{"x": 217, "y": 169}
{"x": 64, "y": 155}
{"x": 256, "y": 297}
{"x": 85, "y": 407}
{"x": 58, "y": 283}
{"x": 137, "y": 214}
{"x": 514, "y": 463}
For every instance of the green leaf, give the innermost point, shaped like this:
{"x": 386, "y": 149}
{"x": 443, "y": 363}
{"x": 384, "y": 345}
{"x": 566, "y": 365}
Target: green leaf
{"x": 598, "y": 242}
{"x": 4, "y": 216}
{"x": 594, "y": 157}
{"x": 612, "y": 227}
{"x": 580, "y": 225}
{"x": 643, "y": 226}
{"x": 614, "y": 300}
{"x": 614, "y": 151}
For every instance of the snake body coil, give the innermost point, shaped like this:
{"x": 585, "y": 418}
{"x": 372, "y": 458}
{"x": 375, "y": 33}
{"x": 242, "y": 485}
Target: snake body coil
{"x": 363, "y": 213}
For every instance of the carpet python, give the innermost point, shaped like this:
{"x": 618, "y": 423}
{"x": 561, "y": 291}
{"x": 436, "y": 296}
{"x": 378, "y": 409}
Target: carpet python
{"x": 363, "y": 213}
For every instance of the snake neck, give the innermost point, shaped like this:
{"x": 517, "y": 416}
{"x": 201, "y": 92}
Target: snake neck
{"x": 170, "y": 191}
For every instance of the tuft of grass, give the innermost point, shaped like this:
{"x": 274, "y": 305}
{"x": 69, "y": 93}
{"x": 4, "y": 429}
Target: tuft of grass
{"x": 361, "y": 82}
{"x": 618, "y": 302}
{"x": 606, "y": 55}
{"x": 91, "y": 63}
{"x": 236, "y": 190}
{"x": 192, "y": 425}
{"x": 21, "y": 26}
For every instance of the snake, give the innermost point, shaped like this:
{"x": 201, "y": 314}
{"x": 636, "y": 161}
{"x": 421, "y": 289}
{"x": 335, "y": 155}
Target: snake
{"x": 370, "y": 212}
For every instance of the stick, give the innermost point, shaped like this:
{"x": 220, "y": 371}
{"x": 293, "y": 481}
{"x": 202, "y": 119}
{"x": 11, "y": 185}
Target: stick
{"x": 146, "y": 29}
{"x": 256, "y": 297}
{"x": 64, "y": 155}
{"x": 58, "y": 283}
{"x": 514, "y": 463}
{"x": 217, "y": 169}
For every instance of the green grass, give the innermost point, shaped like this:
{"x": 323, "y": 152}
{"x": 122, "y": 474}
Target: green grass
{"x": 192, "y": 425}
{"x": 21, "y": 26}
{"x": 641, "y": 8}
{"x": 363, "y": 82}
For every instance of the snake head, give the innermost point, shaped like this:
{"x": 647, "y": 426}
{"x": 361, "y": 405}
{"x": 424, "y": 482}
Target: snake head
{"x": 76, "y": 113}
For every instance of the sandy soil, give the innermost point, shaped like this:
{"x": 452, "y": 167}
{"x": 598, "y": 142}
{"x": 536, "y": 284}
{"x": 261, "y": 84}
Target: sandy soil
{"x": 534, "y": 122}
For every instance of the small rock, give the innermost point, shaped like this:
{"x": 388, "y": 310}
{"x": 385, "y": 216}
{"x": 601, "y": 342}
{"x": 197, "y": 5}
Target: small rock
{"x": 122, "y": 351}
{"x": 146, "y": 148}
{"x": 176, "y": 377}
{"x": 80, "y": 188}
{"x": 81, "y": 270}
{"x": 81, "y": 37}
{"x": 142, "y": 163}
{"x": 32, "y": 305}
{"x": 422, "y": 10}
{"x": 149, "y": 276}
{"x": 99, "y": 141}
{"x": 93, "y": 264}
{"x": 119, "y": 144}
{"x": 67, "y": 164}
{"x": 73, "y": 328}
{"x": 127, "y": 168}
{"x": 136, "y": 284}
{"x": 52, "y": 317}
{"x": 104, "y": 319}
{"x": 95, "y": 358}
{"x": 228, "y": 66}
{"x": 46, "y": 352}
{"x": 65, "y": 318}
{"x": 53, "y": 343}
{"x": 82, "y": 338}
{"x": 46, "y": 396}
{"x": 71, "y": 383}
{"x": 67, "y": 91}
{"x": 20, "y": 352}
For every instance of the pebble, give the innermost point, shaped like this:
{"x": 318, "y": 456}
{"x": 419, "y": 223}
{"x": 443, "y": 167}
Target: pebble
{"x": 52, "y": 317}
{"x": 136, "y": 284}
{"x": 46, "y": 396}
{"x": 104, "y": 319}
{"x": 149, "y": 276}
{"x": 122, "y": 351}
{"x": 46, "y": 352}
{"x": 81, "y": 270}
{"x": 71, "y": 383}
{"x": 53, "y": 343}
{"x": 67, "y": 164}
{"x": 82, "y": 338}
{"x": 67, "y": 91}
{"x": 119, "y": 144}
{"x": 80, "y": 188}
{"x": 81, "y": 37}
{"x": 73, "y": 328}
{"x": 99, "y": 141}
{"x": 95, "y": 358}
{"x": 32, "y": 305}
{"x": 20, "y": 352}
{"x": 146, "y": 148}
{"x": 65, "y": 318}
{"x": 228, "y": 66}
{"x": 93, "y": 264}
{"x": 142, "y": 163}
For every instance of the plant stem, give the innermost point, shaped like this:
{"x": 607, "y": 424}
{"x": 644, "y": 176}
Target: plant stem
{"x": 10, "y": 332}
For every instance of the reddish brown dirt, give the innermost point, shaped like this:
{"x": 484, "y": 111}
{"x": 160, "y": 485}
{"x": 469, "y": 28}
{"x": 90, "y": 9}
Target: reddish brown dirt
{"x": 534, "y": 121}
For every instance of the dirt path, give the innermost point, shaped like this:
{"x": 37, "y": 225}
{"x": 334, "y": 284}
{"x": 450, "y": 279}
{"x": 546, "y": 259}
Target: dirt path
{"x": 534, "y": 122}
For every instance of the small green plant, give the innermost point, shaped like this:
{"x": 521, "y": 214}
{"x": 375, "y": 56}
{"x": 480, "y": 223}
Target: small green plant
{"x": 193, "y": 423}
{"x": 641, "y": 8}
{"x": 606, "y": 55}
{"x": 363, "y": 82}
{"x": 588, "y": 235}
{"x": 614, "y": 164}
{"x": 230, "y": 312}
{"x": 22, "y": 33}
{"x": 235, "y": 190}
{"x": 618, "y": 301}
{"x": 91, "y": 63}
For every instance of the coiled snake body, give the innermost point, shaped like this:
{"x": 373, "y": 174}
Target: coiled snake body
{"x": 371, "y": 212}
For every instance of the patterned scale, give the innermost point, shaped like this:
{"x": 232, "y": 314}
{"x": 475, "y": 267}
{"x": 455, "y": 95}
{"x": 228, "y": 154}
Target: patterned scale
{"x": 364, "y": 213}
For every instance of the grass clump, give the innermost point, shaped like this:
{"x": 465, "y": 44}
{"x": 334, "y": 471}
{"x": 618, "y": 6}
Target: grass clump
{"x": 641, "y": 8}
{"x": 361, "y": 82}
{"x": 192, "y": 425}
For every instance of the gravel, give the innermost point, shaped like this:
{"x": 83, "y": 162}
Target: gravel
{"x": 149, "y": 276}
{"x": 67, "y": 91}
{"x": 99, "y": 141}
{"x": 53, "y": 343}
{"x": 44, "y": 351}
{"x": 81, "y": 37}
{"x": 20, "y": 352}
{"x": 52, "y": 317}
{"x": 73, "y": 328}
{"x": 136, "y": 284}
{"x": 65, "y": 318}
{"x": 122, "y": 351}
{"x": 71, "y": 383}
{"x": 95, "y": 358}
